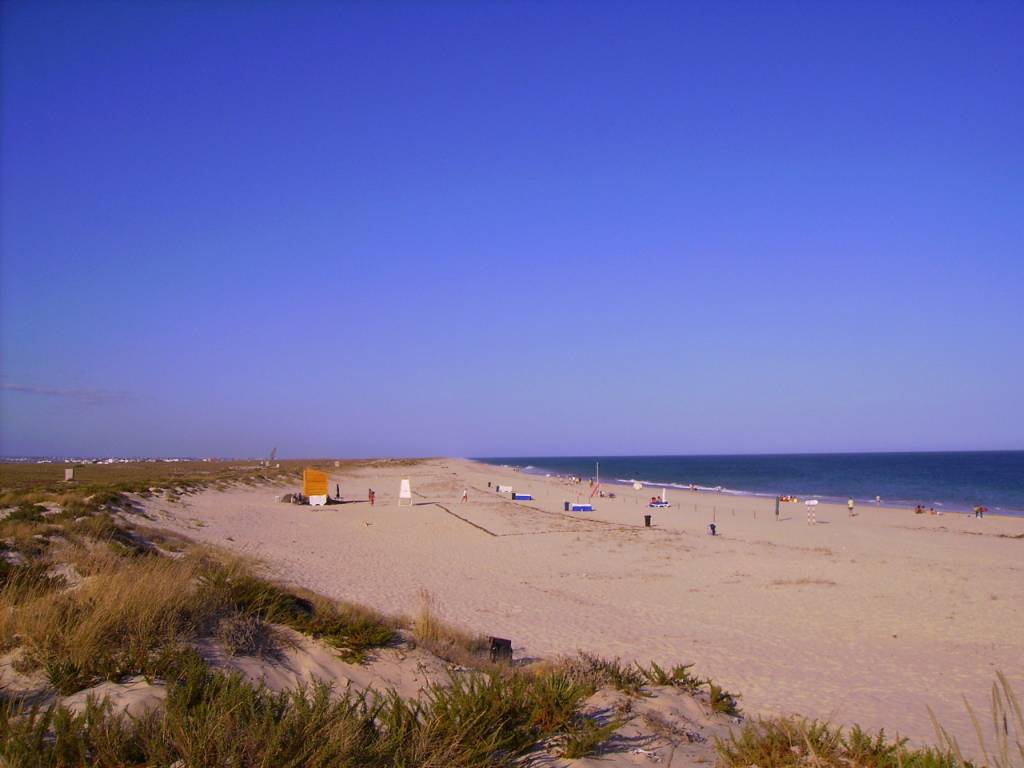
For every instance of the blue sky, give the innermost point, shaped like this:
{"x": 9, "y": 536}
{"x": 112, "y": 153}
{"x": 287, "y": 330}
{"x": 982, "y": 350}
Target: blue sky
{"x": 510, "y": 228}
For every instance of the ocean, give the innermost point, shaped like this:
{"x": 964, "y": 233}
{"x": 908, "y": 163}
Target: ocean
{"x": 951, "y": 481}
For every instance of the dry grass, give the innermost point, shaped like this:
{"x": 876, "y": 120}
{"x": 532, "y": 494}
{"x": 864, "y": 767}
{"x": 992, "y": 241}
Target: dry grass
{"x": 137, "y": 611}
{"x": 445, "y": 641}
{"x": 96, "y": 484}
{"x": 597, "y": 672}
{"x": 1005, "y": 747}
{"x": 134, "y": 612}
{"x": 118, "y": 622}
{"x": 242, "y": 635}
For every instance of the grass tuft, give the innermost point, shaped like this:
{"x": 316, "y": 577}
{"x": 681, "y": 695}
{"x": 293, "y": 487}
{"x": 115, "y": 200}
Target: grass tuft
{"x": 722, "y": 701}
{"x": 598, "y": 672}
{"x": 585, "y": 734}
{"x": 209, "y": 718}
{"x": 445, "y": 641}
{"x": 793, "y": 742}
{"x": 678, "y": 677}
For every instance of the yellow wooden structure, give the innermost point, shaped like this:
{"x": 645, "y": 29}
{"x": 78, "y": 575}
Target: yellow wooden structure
{"x": 314, "y": 482}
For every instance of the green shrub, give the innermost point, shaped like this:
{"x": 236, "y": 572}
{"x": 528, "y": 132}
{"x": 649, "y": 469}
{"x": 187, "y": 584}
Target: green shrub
{"x": 556, "y": 697}
{"x": 722, "y": 701}
{"x": 209, "y": 718}
{"x": 678, "y": 677}
{"x": 795, "y": 743}
{"x": 352, "y": 631}
{"x": 598, "y": 672}
{"x": 26, "y": 513}
{"x": 585, "y": 734}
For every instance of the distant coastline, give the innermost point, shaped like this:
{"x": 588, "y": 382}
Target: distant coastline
{"x": 949, "y": 481}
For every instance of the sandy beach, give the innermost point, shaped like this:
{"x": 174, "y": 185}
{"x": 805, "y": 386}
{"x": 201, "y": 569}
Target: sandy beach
{"x": 869, "y": 619}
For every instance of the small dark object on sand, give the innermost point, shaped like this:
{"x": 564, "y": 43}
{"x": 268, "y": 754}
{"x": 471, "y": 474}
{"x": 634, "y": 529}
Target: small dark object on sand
{"x": 501, "y": 649}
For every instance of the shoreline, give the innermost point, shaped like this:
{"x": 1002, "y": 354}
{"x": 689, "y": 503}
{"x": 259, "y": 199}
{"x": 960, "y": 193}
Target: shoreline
{"x": 868, "y": 619}
{"x": 944, "y": 507}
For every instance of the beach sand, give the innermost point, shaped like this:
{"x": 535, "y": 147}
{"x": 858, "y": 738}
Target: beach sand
{"x": 868, "y": 619}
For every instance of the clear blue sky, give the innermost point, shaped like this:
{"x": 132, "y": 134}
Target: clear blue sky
{"x": 511, "y": 228}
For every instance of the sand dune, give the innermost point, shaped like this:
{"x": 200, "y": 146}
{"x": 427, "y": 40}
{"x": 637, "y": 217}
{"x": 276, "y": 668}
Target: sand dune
{"x": 867, "y": 619}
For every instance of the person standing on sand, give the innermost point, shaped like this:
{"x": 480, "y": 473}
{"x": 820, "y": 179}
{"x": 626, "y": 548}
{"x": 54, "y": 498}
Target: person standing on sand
{"x": 849, "y": 505}
{"x": 371, "y": 496}
{"x": 776, "y": 509}
{"x": 465, "y": 494}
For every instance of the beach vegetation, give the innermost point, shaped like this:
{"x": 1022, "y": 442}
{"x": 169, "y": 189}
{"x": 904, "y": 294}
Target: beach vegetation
{"x": 241, "y": 635}
{"x": 1003, "y": 747}
{"x": 212, "y": 718}
{"x": 350, "y": 629}
{"x": 131, "y": 614}
{"x": 722, "y": 701}
{"x": 597, "y": 672}
{"x": 584, "y": 736}
{"x": 794, "y": 742}
{"x": 131, "y": 611}
{"x": 88, "y": 593}
{"x": 114, "y": 625}
{"x": 26, "y": 512}
{"x": 557, "y": 697}
{"x": 445, "y": 640}
{"x": 679, "y": 676}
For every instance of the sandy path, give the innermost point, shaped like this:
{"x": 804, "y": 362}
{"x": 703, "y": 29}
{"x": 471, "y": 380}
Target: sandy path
{"x": 867, "y": 619}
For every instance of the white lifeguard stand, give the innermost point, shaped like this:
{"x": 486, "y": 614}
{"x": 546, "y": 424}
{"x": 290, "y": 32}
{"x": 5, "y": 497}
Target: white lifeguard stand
{"x": 405, "y": 494}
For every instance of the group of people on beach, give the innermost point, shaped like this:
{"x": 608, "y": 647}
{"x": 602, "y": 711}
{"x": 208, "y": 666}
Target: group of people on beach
{"x": 979, "y": 511}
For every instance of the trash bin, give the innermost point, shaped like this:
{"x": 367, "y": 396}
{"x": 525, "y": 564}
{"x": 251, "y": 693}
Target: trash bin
{"x": 567, "y": 506}
{"x": 647, "y": 521}
{"x": 501, "y": 650}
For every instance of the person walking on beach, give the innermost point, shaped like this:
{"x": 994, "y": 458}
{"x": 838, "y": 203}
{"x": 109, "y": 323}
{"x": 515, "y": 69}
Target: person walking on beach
{"x": 465, "y": 494}
{"x": 372, "y": 496}
{"x": 849, "y": 505}
{"x": 776, "y": 509}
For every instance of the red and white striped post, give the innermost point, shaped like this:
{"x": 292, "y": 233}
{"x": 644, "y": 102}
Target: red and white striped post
{"x": 811, "y": 504}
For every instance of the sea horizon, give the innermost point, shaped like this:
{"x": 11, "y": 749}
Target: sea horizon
{"x": 950, "y": 481}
